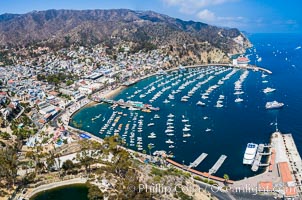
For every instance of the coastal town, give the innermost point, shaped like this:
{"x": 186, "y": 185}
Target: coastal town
{"x": 122, "y": 104}
{"x": 37, "y": 102}
{"x": 37, "y": 110}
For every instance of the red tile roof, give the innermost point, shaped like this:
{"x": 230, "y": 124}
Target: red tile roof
{"x": 285, "y": 172}
{"x": 290, "y": 191}
{"x": 265, "y": 186}
{"x": 243, "y": 59}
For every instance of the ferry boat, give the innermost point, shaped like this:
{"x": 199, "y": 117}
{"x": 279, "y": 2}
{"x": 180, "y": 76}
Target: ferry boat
{"x": 273, "y": 105}
{"x": 268, "y": 90}
{"x": 250, "y": 153}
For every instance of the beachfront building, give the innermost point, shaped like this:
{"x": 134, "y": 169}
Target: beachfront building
{"x": 242, "y": 61}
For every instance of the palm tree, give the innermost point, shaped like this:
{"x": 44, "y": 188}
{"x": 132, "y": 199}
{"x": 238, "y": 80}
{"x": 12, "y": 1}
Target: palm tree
{"x": 226, "y": 178}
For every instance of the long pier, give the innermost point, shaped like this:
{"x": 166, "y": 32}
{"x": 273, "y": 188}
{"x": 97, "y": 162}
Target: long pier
{"x": 198, "y": 160}
{"x": 218, "y": 164}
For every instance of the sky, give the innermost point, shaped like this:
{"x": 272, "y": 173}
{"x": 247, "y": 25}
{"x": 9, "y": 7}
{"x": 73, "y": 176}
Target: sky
{"x": 253, "y": 16}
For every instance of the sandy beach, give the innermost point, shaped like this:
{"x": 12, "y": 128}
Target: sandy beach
{"x": 111, "y": 93}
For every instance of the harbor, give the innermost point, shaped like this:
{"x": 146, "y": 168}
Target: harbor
{"x": 148, "y": 114}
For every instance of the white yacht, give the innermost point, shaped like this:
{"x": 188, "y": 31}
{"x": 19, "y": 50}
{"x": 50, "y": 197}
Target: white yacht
{"x": 169, "y": 130}
{"x": 184, "y": 120}
{"x": 238, "y": 100}
{"x": 171, "y": 97}
{"x": 263, "y": 75}
{"x": 170, "y": 115}
{"x": 268, "y": 90}
{"x": 238, "y": 92}
{"x": 166, "y": 101}
{"x": 186, "y": 135}
{"x": 184, "y": 99}
{"x": 152, "y": 135}
{"x": 250, "y": 153}
{"x": 156, "y": 116}
{"x": 200, "y": 103}
{"x": 151, "y": 124}
{"x": 273, "y": 105}
{"x": 169, "y": 141}
{"x": 186, "y": 129}
{"x": 218, "y": 105}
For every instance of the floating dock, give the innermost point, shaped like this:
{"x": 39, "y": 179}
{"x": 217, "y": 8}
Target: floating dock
{"x": 218, "y": 164}
{"x": 128, "y": 104}
{"x": 257, "y": 161}
{"x": 198, "y": 160}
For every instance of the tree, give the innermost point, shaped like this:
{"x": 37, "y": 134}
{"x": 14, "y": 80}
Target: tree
{"x": 84, "y": 157}
{"x": 50, "y": 161}
{"x": 94, "y": 192}
{"x": 8, "y": 165}
{"x": 67, "y": 165}
{"x": 226, "y": 178}
{"x": 1, "y": 121}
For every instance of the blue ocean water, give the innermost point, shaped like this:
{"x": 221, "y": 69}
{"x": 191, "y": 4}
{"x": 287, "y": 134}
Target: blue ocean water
{"x": 234, "y": 125}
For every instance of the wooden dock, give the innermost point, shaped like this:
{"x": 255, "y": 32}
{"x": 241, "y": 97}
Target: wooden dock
{"x": 198, "y": 160}
{"x": 218, "y": 164}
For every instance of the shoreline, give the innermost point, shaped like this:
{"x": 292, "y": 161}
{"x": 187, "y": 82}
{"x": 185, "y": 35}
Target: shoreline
{"x": 58, "y": 184}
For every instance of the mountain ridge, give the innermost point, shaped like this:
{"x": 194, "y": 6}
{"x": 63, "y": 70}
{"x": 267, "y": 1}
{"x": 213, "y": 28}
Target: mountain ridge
{"x": 62, "y": 28}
